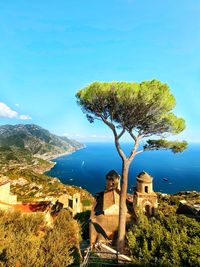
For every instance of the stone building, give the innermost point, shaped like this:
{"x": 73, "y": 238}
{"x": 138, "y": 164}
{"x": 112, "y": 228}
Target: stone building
{"x": 9, "y": 201}
{"x": 104, "y": 216}
{"x": 5, "y": 196}
{"x": 73, "y": 203}
{"x": 112, "y": 181}
{"x": 144, "y": 197}
{"x": 105, "y": 211}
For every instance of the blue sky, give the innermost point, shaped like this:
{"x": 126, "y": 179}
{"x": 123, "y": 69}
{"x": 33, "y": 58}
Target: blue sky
{"x": 50, "y": 49}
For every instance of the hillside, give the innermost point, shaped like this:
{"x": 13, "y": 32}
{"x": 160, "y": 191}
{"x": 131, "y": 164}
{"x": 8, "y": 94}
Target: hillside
{"x": 31, "y": 146}
{"x": 25, "y": 151}
{"x": 36, "y": 140}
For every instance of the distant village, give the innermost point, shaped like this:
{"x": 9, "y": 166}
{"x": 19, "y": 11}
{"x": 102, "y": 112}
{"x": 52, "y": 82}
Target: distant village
{"x": 49, "y": 206}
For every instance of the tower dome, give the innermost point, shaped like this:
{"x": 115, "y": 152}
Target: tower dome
{"x": 144, "y": 197}
{"x": 112, "y": 180}
{"x": 144, "y": 183}
{"x": 144, "y": 177}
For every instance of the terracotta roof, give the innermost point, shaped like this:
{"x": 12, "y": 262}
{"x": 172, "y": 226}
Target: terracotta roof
{"x": 33, "y": 207}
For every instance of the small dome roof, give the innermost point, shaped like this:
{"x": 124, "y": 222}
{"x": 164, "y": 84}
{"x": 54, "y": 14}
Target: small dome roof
{"x": 144, "y": 177}
{"x": 111, "y": 175}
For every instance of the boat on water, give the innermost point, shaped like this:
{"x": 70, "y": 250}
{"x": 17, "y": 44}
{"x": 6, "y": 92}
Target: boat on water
{"x": 83, "y": 162}
{"x": 165, "y": 179}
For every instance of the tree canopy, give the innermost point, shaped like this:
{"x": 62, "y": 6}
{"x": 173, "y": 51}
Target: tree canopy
{"x": 138, "y": 108}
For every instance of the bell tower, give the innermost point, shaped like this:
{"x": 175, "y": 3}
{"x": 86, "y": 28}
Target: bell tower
{"x": 112, "y": 180}
{"x": 144, "y": 197}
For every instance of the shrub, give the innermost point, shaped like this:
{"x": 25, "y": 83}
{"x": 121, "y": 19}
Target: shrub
{"x": 24, "y": 241}
{"x": 171, "y": 241}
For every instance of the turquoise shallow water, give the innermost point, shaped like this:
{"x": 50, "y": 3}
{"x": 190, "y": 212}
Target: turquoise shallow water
{"x": 87, "y": 168}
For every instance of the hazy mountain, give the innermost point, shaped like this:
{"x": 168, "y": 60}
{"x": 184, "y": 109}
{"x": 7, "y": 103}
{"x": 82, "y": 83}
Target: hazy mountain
{"x": 36, "y": 140}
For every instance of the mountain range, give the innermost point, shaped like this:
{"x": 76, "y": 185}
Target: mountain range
{"x": 36, "y": 140}
{"x": 31, "y": 146}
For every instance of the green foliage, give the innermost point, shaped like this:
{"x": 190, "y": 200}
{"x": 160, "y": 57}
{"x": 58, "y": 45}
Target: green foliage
{"x": 25, "y": 241}
{"x": 60, "y": 245}
{"x": 87, "y": 202}
{"x": 165, "y": 240}
{"x": 175, "y": 146}
{"x": 145, "y": 108}
{"x": 19, "y": 239}
{"x": 84, "y": 218}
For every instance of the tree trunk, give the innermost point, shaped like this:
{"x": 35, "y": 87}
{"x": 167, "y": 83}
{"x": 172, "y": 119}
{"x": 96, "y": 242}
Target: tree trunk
{"x": 122, "y": 207}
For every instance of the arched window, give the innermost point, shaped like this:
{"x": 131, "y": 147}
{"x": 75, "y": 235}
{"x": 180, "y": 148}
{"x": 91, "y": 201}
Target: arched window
{"x": 146, "y": 189}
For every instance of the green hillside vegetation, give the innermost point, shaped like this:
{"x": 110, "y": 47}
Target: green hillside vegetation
{"x": 31, "y": 186}
{"x": 168, "y": 239}
{"x": 26, "y": 241}
{"x": 25, "y": 151}
{"x": 13, "y": 157}
{"x": 32, "y": 140}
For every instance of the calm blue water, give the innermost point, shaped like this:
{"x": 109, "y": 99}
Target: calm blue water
{"x": 87, "y": 168}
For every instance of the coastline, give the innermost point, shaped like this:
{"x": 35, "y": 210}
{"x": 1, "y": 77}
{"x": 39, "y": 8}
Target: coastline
{"x": 177, "y": 168}
{"x": 53, "y": 163}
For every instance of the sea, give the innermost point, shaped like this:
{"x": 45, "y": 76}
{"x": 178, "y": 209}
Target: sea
{"x": 87, "y": 168}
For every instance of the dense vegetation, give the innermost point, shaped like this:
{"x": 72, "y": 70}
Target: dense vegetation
{"x": 26, "y": 241}
{"x": 168, "y": 239}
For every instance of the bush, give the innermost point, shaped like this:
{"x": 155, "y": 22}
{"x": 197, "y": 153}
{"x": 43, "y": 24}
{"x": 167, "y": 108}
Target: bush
{"x": 60, "y": 245}
{"x": 24, "y": 240}
{"x": 165, "y": 241}
{"x": 84, "y": 219}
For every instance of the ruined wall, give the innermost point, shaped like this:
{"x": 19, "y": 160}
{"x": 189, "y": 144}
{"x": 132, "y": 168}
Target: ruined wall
{"x": 5, "y": 195}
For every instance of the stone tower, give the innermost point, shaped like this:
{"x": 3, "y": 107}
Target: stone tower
{"x": 112, "y": 180}
{"x": 144, "y": 197}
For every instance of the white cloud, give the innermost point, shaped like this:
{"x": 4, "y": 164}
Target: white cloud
{"x": 73, "y": 135}
{"x": 90, "y": 137}
{"x": 7, "y": 112}
{"x": 93, "y": 136}
{"x": 25, "y": 117}
{"x": 17, "y": 105}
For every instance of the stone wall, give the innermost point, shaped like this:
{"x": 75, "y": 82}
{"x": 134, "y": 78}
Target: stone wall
{"x": 5, "y": 195}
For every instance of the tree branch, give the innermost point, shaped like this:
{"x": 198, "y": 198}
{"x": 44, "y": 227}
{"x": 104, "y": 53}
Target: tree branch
{"x": 135, "y": 147}
{"x": 140, "y": 151}
{"x": 132, "y": 135}
{"x": 117, "y": 137}
{"x": 122, "y": 132}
